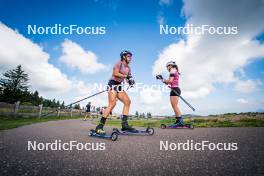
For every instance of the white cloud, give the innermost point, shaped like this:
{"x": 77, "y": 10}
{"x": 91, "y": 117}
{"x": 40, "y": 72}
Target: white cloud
{"x": 242, "y": 72}
{"x": 205, "y": 60}
{"x": 242, "y": 101}
{"x": 75, "y": 56}
{"x": 165, "y": 2}
{"x": 161, "y": 19}
{"x": 51, "y": 83}
{"x": 15, "y": 49}
{"x": 82, "y": 90}
{"x": 163, "y": 5}
{"x": 149, "y": 96}
{"x": 247, "y": 86}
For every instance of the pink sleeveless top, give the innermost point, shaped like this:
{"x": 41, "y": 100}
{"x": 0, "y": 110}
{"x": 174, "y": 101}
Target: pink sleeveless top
{"x": 175, "y": 74}
{"x": 123, "y": 69}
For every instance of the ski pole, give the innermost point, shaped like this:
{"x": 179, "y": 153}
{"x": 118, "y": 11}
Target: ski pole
{"x": 76, "y": 102}
{"x": 188, "y": 104}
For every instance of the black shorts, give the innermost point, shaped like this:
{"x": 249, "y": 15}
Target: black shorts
{"x": 115, "y": 85}
{"x": 175, "y": 89}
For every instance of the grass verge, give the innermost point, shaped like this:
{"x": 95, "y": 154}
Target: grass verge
{"x": 14, "y": 122}
{"x": 197, "y": 122}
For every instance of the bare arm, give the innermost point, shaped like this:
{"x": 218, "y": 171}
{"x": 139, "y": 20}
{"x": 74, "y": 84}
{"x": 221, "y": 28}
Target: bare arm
{"x": 118, "y": 74}
{"x": 168, "y": 81}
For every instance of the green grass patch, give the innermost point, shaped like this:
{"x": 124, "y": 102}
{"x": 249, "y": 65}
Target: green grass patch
{"x": 9, "y": 122}
{"x": 196, "y": 122}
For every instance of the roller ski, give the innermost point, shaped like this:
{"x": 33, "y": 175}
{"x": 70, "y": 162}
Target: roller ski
{"x": 179, "y": 124}
{"x": 113, "y": 136}
{"x": 132, "y": 131}
{"x": 175, "y": 126}
{"x": 128, "y": 130}
{"x": 100, "y": 133}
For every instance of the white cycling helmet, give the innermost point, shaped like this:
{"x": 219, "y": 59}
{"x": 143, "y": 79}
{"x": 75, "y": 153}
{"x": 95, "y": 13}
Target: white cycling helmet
{"x": 172, "y": 63}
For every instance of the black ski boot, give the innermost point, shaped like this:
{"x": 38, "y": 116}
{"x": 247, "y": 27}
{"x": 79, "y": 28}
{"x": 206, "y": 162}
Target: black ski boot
{"x": 125, "y": 126}
{"x": 179, "y": 121}
{"x": 99, "y": 128}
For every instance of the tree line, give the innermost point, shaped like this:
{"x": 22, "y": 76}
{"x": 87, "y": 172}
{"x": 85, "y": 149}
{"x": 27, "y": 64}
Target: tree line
{"x": 14, "y": 86}
{"x": 143, "y": 115}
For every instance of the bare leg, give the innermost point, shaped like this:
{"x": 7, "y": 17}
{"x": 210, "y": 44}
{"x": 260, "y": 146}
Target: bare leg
{"x": 123, "y": 97}
{"x": 112, "y": 95}
{"x": 111, "y": 104}
{"x": 85, "y": 116}
{"x": 174, "y": 103}
{"x": 176, "y": 109}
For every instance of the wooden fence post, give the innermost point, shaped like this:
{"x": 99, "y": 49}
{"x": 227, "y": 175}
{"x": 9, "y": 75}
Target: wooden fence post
{"x": 16, "y": 107}
{"x": 40, "y": 110}
{"x": 71, "y": 112}
{"x": 58, "y": 113}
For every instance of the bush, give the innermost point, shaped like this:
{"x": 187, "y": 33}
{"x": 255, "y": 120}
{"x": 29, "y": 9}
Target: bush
{"x": 27, "y": 104}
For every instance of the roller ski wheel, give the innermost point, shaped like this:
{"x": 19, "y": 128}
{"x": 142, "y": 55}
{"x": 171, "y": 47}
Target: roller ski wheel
{"x": 191, "y": 126}
{"x": 150, "y": 131}
{"x": 163, "y": 126}
{"x": 114, "y": 136}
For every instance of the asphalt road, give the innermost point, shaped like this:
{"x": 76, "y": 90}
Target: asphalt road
{"x": 130, "y": 155}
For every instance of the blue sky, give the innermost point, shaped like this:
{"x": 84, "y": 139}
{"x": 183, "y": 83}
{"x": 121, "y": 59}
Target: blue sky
{"x": 129, "y": 26}
{"x": 134, "y": 25}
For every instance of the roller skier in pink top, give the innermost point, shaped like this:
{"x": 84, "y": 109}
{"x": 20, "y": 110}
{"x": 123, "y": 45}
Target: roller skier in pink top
{"x": 121, "y": 72}
{"x": 173, "y": 83}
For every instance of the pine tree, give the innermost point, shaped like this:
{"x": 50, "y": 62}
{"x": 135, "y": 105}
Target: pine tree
{"x": 77, "y": 106}
{"x": 14, "y": 85}
{"x": 149, "y": 115}
{"x": 63, "y": 105}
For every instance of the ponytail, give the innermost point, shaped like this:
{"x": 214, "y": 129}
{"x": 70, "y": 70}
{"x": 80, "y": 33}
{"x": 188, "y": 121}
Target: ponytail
{"x": 177, "y": 68}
